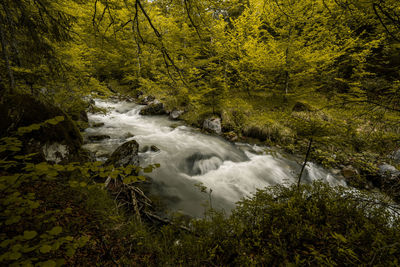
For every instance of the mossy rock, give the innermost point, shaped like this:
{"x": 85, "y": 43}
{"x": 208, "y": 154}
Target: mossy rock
{"x": 153, "y": 109}
{"x": 21, "y": 110}
{"x": 124, "y": 155}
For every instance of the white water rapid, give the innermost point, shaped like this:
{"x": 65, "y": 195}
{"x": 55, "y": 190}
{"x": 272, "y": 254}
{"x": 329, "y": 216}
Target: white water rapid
{"x": 189, "y": 157}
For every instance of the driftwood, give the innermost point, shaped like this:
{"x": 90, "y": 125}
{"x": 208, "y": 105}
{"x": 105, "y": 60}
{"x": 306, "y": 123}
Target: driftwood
{"x": 132, "y": 198}
{"x": 166, "y": 221}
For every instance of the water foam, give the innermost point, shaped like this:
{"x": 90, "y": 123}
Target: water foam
{"x": 188, "y": 157}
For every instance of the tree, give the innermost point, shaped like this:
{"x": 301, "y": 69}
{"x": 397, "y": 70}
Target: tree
{"x": 28, "y": 32}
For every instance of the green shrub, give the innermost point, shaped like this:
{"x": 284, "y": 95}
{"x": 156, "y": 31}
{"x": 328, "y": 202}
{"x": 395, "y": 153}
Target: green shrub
{"x": 43, "y": 207}
{"x": 316, "y": 225}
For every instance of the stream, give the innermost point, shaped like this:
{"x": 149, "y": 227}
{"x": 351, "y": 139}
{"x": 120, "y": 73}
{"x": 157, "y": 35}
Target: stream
{"x": 189, "y": 157}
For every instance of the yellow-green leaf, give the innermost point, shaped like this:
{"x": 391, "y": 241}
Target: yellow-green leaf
{"x": 148, "y": 169}
{"x": 45, "y": 249}
{"x": 49, "y": 263}
{"x": 29, "y": 234}
{"x": 56, "y": 230}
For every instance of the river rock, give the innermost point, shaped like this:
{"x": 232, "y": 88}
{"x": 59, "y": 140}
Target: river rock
{"x": 212, "y": 125}
{"x": 56, "y": 143}
{"x": 128, "y": 135}
{"x": 231, "y": 136}
{"x": 396, "y": 156}
{"x": 175, "y": 114}
{"x": 155, "y": 108}
{"x": 144, "y": 149}
{"x": 55, "y": 152}
{"x": 151, "y": 148}
{"x": 96, "y": 138}
{"x": 154, "y": 148}
{"x": 124, "y": 155}
{"x": 145, "y": 100}
{"x": 387, "y": 171}
{"x": 349, "y": 172}
{"x": 139, "y": 93}
{"x": 97, "y": 125}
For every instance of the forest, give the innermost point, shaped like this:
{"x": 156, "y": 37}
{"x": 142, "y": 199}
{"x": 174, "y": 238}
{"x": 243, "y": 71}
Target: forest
{"x": 164, "y": 132}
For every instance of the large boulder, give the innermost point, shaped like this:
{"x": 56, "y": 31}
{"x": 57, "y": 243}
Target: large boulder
{"x": 175, "y": 114}
{"x": 52, "y": 142}
{"x": 154, "y": 108}
{"x": 389, "y": 180}
{"x": 212, "y": 125}
{"x": 390, "y": 172}
{"x": 124, "y": 155}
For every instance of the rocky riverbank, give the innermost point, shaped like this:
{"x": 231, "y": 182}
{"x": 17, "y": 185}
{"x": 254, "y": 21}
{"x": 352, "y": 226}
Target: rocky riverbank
{"x": 363, "y": 170}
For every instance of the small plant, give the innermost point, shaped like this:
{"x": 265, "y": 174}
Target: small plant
{"x": 31, "y": 233}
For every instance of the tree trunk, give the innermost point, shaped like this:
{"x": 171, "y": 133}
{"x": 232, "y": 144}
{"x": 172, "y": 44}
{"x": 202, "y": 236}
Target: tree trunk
{"x": 305, "y": 161}
{"x": 6, "y": 58}
{"x": 287, "y": 75}
{"x": 287, "y": 63}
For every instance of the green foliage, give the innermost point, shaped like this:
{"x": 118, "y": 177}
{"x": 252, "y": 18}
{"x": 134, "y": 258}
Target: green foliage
{"x": 37, "y": 126}
{"x": 30, "y": 231}
{"x": 314, "y": 225}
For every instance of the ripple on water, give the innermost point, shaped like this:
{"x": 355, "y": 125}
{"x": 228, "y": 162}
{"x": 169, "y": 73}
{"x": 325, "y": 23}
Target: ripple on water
{"x": 188, "y": 156}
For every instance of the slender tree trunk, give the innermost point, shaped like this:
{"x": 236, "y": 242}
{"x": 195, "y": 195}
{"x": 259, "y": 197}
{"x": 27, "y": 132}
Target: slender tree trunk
{"x": 287, "y": 64}
{"x": 287, "y": 77}
{"x": 139, "y": 62}
{"x": 6, "y": 58}
{"x": 305, "y": 161}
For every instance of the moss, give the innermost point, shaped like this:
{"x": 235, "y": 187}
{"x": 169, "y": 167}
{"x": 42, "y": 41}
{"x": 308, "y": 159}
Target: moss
{"x": 21, "y": 110}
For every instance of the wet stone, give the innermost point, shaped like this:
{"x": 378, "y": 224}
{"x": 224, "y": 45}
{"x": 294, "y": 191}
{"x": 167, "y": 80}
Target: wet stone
{"x": 94, "y": 138}
{"x": 153, "y": 148}
{"x": 97, "y": 125}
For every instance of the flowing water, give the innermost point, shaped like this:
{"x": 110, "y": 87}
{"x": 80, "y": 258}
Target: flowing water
{"x": 189, "y": 157}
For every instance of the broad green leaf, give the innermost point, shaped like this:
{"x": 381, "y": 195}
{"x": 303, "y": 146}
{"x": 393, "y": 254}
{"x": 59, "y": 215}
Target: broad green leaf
{"x": 49, "y": 263}
{"x": 148, "y": 169}
{"x": 142, "y": 178}
{"x": 45, "y": 249}
{"x": 5, "y": 243}
{"x": 73, "y": 184}
{"x": 83, "y": 240}
{"x": 70, "y": 252}
{"x": 13, "y": 219}
{"x": 114, "y": 174}
{"x": 29, "y": 234}
{"x": 55, "y": 231}
{"x": 60, "y": 262}
{"x": 42, "y": 167}
{"x": 69, "y": 238}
